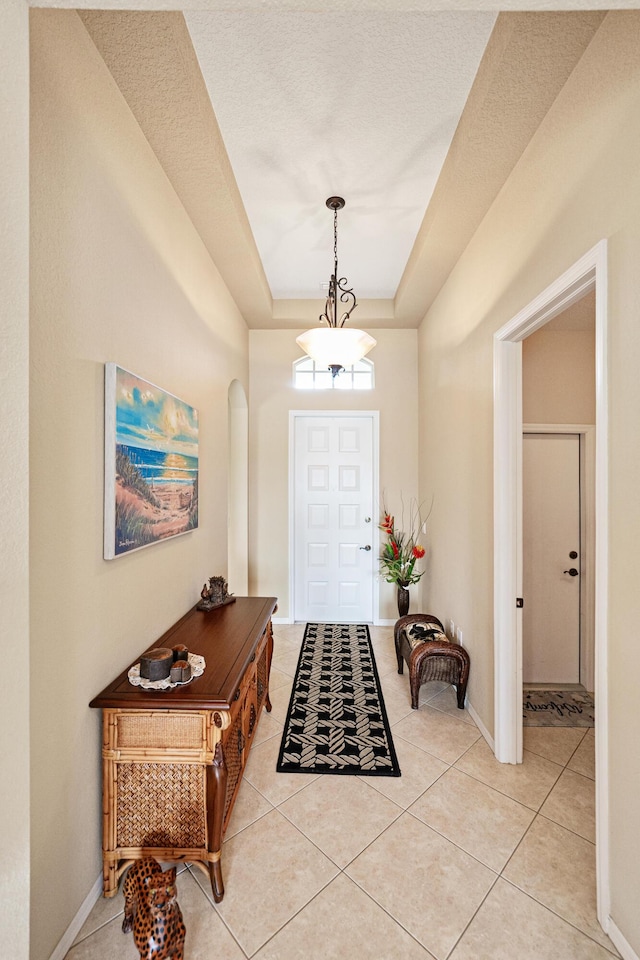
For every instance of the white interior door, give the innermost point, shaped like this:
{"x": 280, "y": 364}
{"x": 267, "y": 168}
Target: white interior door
{"x": 551, "y": 575}
{"x": 333, "y": 519}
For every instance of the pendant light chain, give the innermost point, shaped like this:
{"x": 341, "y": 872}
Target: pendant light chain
{"x": 335, "y": 244}
{"x": 337, "y": 287}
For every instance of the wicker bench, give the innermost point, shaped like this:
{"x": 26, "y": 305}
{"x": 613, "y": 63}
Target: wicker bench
{"x": 421, "y": 641}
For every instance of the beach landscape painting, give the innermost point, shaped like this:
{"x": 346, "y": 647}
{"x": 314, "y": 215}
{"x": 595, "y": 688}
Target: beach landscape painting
{"x": 151, "y": 464}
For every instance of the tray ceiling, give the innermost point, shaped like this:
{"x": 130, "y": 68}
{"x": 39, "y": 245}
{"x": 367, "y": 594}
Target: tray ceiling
{"x": 416, "y": 118}
{"x": 360, "y": 105}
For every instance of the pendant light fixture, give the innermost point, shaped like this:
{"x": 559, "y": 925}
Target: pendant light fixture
{"x": 334, "y": 345}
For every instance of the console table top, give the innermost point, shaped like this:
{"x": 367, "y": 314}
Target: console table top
{"x": 226, "y": 637}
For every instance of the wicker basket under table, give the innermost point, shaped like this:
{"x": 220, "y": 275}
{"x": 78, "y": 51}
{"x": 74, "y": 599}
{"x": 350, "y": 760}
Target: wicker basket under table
{"x": 173, "y": 760}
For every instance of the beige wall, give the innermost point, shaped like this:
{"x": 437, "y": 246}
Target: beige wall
{"x": 577, "y": 182}
{"x": 118, "y": 273}
{"x": 272, "y": 396}
{"x": 558, "y": 376}
{"x": 14, "y": 480}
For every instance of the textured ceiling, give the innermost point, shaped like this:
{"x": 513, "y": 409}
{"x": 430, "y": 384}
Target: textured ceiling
{"x": 527, "y": 62}
{"x": 151, "y": 59}
{"x": 306, "y": 105}
{"x": 360, "y": 105}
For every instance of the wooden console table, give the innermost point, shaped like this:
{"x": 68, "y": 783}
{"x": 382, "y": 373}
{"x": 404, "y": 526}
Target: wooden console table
{"x": 172, "y": 760}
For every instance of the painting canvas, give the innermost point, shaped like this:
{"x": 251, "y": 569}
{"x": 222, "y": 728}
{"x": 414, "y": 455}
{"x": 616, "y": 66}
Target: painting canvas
{"x": 151, "y": 464}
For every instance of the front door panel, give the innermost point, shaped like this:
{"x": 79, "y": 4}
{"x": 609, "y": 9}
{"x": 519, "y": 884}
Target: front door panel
{"x": 333, "y": 504}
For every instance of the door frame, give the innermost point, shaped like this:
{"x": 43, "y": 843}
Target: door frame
{"x": 374, "y": 415}
{"x": 587, "y": 434}
{"x": 586, "y": 274}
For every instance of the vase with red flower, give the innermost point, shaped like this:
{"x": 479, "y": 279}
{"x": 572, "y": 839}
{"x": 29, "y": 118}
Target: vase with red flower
{"x": 400, "y": 553}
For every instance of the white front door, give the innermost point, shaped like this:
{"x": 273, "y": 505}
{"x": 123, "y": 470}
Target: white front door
{"x": 333, "y": 518}
{"x": 551, "y": 558}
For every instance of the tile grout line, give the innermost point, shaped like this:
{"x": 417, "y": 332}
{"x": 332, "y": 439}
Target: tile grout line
{"x": 542, "y": 756}
{"x": 76, "y": 943}
{"x": 564, "y": 826}
{"x": 222, "y": 920}
{"x": 386, "y": 912}
{"x": 475, "y": 913}
{"x": 502, "y": 792}
{"x": 401, "y": 810}
{"x": 530, "y": 895}
{"x": 454, "y": 844}
{"x": 546, "y": 906}
{"x": 292, "y": 917}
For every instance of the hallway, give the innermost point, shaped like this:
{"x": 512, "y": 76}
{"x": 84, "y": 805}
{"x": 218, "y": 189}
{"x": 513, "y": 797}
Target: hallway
{"x": 461, "y": 858}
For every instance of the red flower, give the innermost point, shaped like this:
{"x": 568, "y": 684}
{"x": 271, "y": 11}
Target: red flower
{"x": 387, "y": 523}
{"x": 394, "y": 547}
{"x": 418, "y": 552}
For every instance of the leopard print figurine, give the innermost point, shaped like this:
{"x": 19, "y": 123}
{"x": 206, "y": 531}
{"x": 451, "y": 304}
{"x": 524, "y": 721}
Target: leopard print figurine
{"x": 152, "y": 910}
{"x": 133, "y": 888}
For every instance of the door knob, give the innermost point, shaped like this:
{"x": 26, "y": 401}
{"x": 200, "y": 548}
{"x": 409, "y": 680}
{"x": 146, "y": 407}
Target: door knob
{"x": 572, "y": 572}
{"x": 368, "y": 547}
{"x": 367, "y": 519}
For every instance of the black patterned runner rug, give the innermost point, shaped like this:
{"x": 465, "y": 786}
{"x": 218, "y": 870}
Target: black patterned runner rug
{"x": 337, "y": 722}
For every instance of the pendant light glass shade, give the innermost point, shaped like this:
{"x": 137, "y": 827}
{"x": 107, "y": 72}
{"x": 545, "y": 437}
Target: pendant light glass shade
{"x": 335, "y": 346}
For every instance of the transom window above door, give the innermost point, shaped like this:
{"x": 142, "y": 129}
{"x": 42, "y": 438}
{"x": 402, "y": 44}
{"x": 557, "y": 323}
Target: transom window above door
{"x": 307, "y": 375}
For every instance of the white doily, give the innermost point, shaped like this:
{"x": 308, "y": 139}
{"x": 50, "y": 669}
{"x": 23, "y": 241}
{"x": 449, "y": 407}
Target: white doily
{"x": 197, "y": 669}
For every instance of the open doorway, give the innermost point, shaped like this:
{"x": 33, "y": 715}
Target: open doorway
{"x": 558, "y": 518}
{"x": 588, "y": 274}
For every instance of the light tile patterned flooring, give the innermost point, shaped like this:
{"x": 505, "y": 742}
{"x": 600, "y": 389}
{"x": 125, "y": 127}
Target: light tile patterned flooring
{"x": 461, "y": 858}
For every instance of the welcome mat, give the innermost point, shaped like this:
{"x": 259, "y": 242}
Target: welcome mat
{"x": 337, "y": 722}
{"x": 557, "y": 708}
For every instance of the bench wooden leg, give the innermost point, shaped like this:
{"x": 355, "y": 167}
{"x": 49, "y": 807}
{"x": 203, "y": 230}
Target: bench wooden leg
{"x": 461, "y": 687}
{"x": 414, "y": 685}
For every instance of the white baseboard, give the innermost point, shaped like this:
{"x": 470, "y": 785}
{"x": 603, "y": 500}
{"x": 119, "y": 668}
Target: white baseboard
{"x": 620, "y": 942}
{"x": 75, "y": 926}
{"x": 384, "y": 623}
{"x": 480, "y": 725}
{"x": 282, "y": 620}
